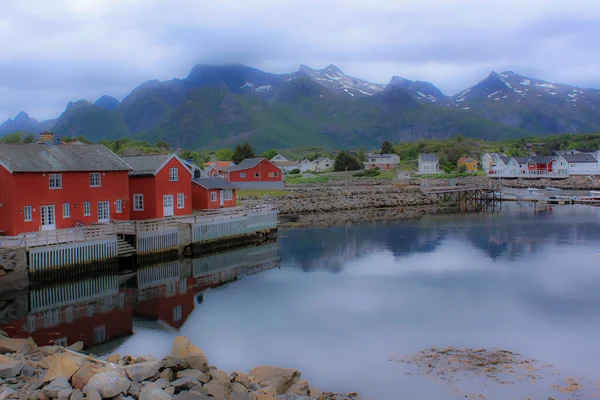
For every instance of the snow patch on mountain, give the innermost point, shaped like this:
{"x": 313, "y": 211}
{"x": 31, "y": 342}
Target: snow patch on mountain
{"x": 545, "y": 85}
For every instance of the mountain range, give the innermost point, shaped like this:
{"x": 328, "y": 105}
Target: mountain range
{"x": 222, "y": 105}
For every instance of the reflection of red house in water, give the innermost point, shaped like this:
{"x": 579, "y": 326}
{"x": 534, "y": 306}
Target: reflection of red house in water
{"x": 92, "y": 311}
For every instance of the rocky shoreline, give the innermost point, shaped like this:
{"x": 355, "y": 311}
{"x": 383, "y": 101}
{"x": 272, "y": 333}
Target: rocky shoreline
{"x": 53, "y": 372}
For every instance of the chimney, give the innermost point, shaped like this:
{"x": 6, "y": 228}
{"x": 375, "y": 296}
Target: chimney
{"x": 46, "y": 136}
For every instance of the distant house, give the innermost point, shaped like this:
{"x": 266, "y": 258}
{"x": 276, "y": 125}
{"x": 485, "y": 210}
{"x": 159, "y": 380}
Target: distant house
{"x": 279, "y": 158}
{"x": 256, "y": 173}
{"x": 489, "y": 159}
{"x": 469, "y": 164}
{"x": 305, "y": 165}
{"x": 428, "y": 164}
{"x": 159, "y": 186}
{"x": 197, "y": 172}
{"x": 322, "y": 164}
{"x": 498, "y": 165}
{"x": 385, "y": 162}
{"x": 563, "y": 152}
{"x": 287, "y": 166}
{"x": 218, "y": 169}
{"x": 533, "y": 167}
{"x": 50, "y": 186}
{"x": 211, "y": 193}
{"x": 582, "y": 164}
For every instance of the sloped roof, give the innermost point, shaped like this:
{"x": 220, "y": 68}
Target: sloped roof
{"x": 147, "y": 164}
{"x": 504, "y": 159}
{"x": 580, "y": 158}
{"x": 542, "y": 159}
{"x": 219, "y": 164}
{"x": 214, "y": 183}
{"x": 428, "y": 157}
{"x": 521, "y": 159}
{"x": 48, "y": 157}
{"x": 466, "y": 159}
{"x": 377, "y": 155}
{"x": 248, "y": 163}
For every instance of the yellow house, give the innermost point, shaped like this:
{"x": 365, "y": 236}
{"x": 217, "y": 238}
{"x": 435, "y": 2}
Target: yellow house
{"x": 469, "y": 163}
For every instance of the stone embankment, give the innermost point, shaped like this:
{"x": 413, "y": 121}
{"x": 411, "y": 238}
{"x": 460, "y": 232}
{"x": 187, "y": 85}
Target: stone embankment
{"x": 570, "y": 183}
{"x": 51, "y": 372}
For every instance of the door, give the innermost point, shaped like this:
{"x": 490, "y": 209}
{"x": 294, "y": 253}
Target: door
{"x": 48, "y": 218}
{"x": 168, "y": 205}
{"x": 221, "y": 198}
{"x": 103, "y": 211}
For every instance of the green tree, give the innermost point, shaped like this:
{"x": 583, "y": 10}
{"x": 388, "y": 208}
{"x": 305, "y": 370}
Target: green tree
{"x": 362, "y": 155}
{"x": 459, "y": 138}
{"x": 12, "y": 138}
{"x": 345, "y": 161}
{"x": 83, "y": 139}
{"x": 29, "y": 139}
{"x": 269, "y": 154}
{"x": 242, "y": 151}
{"x": 163, "y": 144}
{"x": 225, "y": 154}
{"x": 387, "y": 147}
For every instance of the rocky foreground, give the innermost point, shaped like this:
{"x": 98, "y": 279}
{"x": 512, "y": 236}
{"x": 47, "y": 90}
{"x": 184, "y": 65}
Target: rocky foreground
{"x": 52, "y": 372}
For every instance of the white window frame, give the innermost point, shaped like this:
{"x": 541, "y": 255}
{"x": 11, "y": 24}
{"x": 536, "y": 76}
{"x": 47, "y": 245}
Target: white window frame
{"x": 28, "y": 213}
{"x": 99, "y": 334}
{"x": 180, "y": 200}
{"x": 119, "y": 206}
{"x": 213, "y": 196}
{"x": 174, "y": 174}
{"x": 242, "y": 175}
{"x": 66, "y": 210}
{"x": 103, "y": 217}
{"x": 95, "y": 179}
{"x": 55, "y": 181}
{"x": 274, "y": 174}
{"x": 138, "y": 202}
{"x": 228, "y": 195}
{"x": 177, "y": 313}
{"x": 87, "y": 209}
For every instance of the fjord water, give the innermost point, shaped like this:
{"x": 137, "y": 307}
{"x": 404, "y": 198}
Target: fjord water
{"x": 347, "y": 299}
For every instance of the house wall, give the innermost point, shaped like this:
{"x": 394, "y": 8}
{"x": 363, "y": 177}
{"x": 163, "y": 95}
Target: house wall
{"x": 143, "y": 185}
{"x": 584, "y": 168}
{"x": 470, "y": 165}
{"x": 264, "y": 175}
{"x": 201, "y": 198}
{"x": 428, "y": 167}
{"x": 33, "y": 189}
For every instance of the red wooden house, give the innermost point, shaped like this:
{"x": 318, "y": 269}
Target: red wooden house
{"x": 159, "y": 186}
{"x": 540, "y": 165}
{"x": 211, "y": 193}
{"x": 256, "y": 173}
{"x": 47, "y": 186}
{"x": 218, "y": 168}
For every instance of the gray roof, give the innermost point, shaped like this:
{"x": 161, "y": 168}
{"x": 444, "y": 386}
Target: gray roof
{"x": 146, "y": 164}
{"x": 214, "y": 183}
{"x": 542, "y": 159}
{"x": 377, "y": 155}
{"x": 428, "y": 157}
{"x": 504, "y": 159}
{"x": 580, "y": 158}
{"x": 521, "y": 159}
{"x": 248, "y": 163}
{"x": 48, "y": 157}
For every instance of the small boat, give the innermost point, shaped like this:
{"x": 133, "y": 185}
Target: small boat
{"x": 594, "y": 195}
{"x": 532, "y": 191}
{"x": 551, "y": 189}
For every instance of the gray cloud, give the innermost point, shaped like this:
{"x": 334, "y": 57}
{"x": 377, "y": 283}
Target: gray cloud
{"x": 52, "y": 52}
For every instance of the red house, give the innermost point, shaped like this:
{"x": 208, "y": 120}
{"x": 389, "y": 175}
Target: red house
{"x": 160, "y": 185}
{"x": 256, "y": 173}
{"x": 210, "y": 193}
{"x": 218, "y": 168}
{"x": 46, "y": 186}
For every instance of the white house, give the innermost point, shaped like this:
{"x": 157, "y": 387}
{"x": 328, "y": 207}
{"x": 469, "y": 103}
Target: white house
{"x": 428, "y": 164}
{"x": 497, "y": 164}
{"x": 582, "y": 164}
{"x": 305, "y": 165}
{"x": 490, "y": 159}
{"x": 385, "y": 162}
{"x": 286, "y": 166}
{"x": 279, "y": 158}
{"x": 322, "y": 164}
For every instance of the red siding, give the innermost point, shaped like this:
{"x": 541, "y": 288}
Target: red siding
{"x": 201, "y": 198}
{"x": 263, "y": 169}
{"x": 154, "y": 188}
{"x": 33, "y": 189}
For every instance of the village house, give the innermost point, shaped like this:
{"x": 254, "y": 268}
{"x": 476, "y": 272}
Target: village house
{"x": 159, "y": 186}
{"x": 428, "y": 164}
{"x": 498, "y": 164}
{"x": 322, "y": 164}
{"x": 305, "y": 165}
{"x": 256, "y": 173}
{"x": 197, "y": 172}
{"x": 581, "y": 164}
{"x": 532, "y": 167}
{"x": 211, "y": 193}
{"x": 278, "y": 158}
{"x": 284, "y": 164}
{"x": 384, "y": 162}
{"x": 489, "y": 159}
{"x": 469, "y": 164}
{"x": 218, "y": 168}
{"x": 50, "y": 186}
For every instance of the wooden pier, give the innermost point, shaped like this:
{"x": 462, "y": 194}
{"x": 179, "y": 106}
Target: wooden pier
{"x": 466, "y": 198}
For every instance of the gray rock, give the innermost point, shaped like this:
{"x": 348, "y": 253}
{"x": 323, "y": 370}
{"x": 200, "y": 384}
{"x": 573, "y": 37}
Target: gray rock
{"x": 134, "y": 388}
{"x": 199, "y": 389}
{"x": 239, "y": 396}
{"x": 109, "y": 384}
{"x": 175, "y": 363}
{"x": 76, "y": 395}
{"x": 185, "y": 383}
{"x": 28, "y": 371}
{"x": 65, "y": 394}
{"x": 192, "y": 395}
{"x": 217, "y": 389}
{"x": 11, "y": 369}
{"x": 161, "y": 383}
{"x": 56, "y": 386}
{"x": 142, "y": 371}
{"x": 6, "y": 393}
{"x": 193, "y": 373}
{"x": 92, "y": 394}
{"x": 153, "y": 392}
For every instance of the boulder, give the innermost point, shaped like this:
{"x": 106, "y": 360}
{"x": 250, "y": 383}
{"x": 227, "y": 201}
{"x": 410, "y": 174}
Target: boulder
{"x": 58, "y": 384}
{"x": 83, "y": 374}
{"x": 77, "y": 346}
{"x": 266, "y": 393}
{"x": 281, "y": 379}
{"x": 217, "y": 389}
{"x": 193, "y": 373}
{"x": 220, "y": 376}
{"x": 184, "y": 349}
{"x": 114, "y": 358}
{"x": 175, "y": 363}
{"x": 76, "y": 395}
{"x": 11, "y": 369}
{"x": 184, "y": 383}
{"x": 65, "y": 394}
{"x": 239, "y": 396}
{"x": 167, "y": 374}
{"x": 142, "y": 371}
{"x": 153, "y": 392}
{"x": 92, "y": 394}
{"x": 61, "y": 364}
{"x": 241, "y": 377}
{"x": 12, "y": 345}
{"x": 109, "y": 384}
{"x": 238, "y": 387}
{"x": 299, "y": 388}
{"x": 135, "y": 388}
{"x": 6, "y": 393}
{"x": 161, "y": 383}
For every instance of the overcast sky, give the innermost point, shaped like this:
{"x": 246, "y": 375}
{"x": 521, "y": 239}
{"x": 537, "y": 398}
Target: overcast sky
{"x": 54, "y": 51}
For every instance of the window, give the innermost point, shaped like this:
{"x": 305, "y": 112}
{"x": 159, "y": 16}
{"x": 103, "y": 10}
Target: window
{"x": 257, "y": 174}
{"x": 103, "y": 211}
{"x": 243, "y": 175}
{"x": 176, "y": 313}
{"x": 213, "y": 196}
{"x": 61, "y": 341}
{"x": 95, "y": 179}
{"x": 180, "y": 200}
{"x": 138, "y": 202}
{"x": 28, "y": 213}
{"x": 99, "y": 334}
{"x": 228, "y": 195}
{"x": 173, "y": 174}
{"x": 66, "y": 210}
{"x": 87, "y": 210}
{"x": 55, "y": 181}
{"x": 273, "y": 174}
{"x": 119, "y": 206}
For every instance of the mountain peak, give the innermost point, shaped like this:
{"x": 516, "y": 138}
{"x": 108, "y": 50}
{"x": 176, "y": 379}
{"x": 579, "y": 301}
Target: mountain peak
{"x": 333, "y": 69}
{"x": 22, "y": 117}
{"x": 108, "y": 102}
{"x": 399, "y": 81}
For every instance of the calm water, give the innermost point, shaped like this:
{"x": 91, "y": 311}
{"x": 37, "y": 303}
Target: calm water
{"x": 338, "y": 303}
